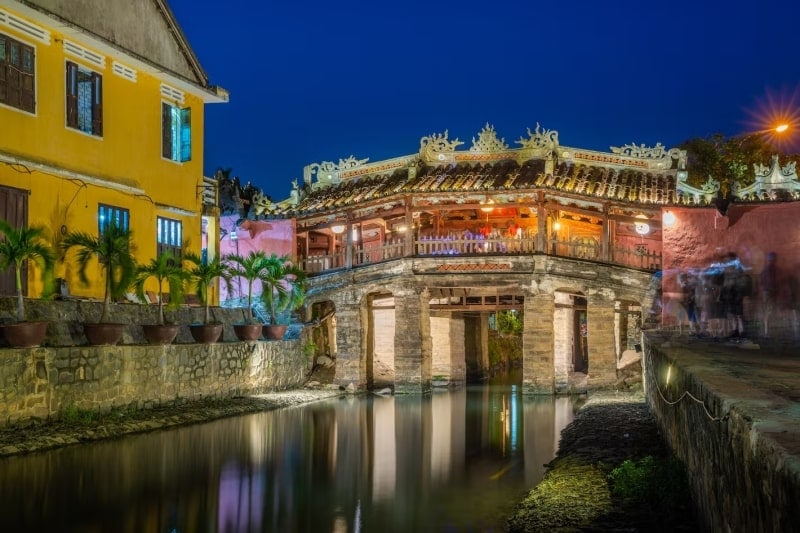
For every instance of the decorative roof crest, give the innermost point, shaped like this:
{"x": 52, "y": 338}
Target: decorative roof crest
{"x": 328, "y": 172}
{"x": 634, "y": 150}
{"x": 437, "y": 147}
{"x": 540, "y": 138}
{"x": 488, "y": 141}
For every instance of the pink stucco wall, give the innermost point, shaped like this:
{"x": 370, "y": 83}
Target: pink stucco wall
{"x": 272, "y": 236}
{"x": 700, "y": 234}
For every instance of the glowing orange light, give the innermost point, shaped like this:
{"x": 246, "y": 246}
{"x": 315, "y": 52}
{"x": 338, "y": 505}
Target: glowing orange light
{"x": 782, "y": 127}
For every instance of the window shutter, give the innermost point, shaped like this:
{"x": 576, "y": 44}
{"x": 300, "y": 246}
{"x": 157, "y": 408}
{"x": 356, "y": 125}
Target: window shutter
{"x": 27, "y": 100}
{"x": 72, "y": 94}
{"x": 97, "y": 104}
{"x": 13, "y": 74}
{"x": 186, "y": 134}
{"x": 166, "y": 131}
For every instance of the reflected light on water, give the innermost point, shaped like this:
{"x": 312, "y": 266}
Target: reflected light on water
{"x": 450, "y": 460}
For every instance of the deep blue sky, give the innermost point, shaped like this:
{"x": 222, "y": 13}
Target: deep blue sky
{"x": 318, "y": 81}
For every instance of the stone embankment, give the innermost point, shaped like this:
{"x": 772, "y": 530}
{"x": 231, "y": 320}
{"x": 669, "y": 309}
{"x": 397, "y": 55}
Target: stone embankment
{"x": 84, "y": 427}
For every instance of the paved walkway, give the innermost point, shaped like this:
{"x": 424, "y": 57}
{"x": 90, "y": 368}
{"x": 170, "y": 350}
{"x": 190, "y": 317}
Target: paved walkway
{"x": 760, "y": 378}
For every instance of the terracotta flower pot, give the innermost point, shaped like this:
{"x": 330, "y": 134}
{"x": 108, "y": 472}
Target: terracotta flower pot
{"x": 247, "y": 332}
{"x": 160, "y": 333}
{"x": 25, "y": 334}
{"x": 274, "y": 332}
{"x": 102, "y": 334}
{"x": 206, "y": 333}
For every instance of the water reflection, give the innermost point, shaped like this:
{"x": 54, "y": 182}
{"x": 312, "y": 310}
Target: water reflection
{"x": 447, "y": 461}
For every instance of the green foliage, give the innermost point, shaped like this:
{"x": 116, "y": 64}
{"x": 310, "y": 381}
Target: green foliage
{"x": 659, "y": 483}
{"x": 73, "y": 414}
{"x": 509, "y": 322}
{"x": 25, "y": 244}
{"x": 164, "y": 268}
{"x": 203, "y": 275}
{"x": 284, "y": 287}
{"x": 113, "y": 251}
{"x": 249, "y": 267}
{"x": 283, "y": 283}
{"x": 726, "y": 158}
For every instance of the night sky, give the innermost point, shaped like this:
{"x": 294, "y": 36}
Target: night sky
{"x": 320, "y": 81}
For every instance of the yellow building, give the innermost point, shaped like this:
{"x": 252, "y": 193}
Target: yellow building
{"x": 101, "y": 119}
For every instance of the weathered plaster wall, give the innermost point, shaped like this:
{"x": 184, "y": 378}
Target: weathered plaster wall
{"x": 698, "y": 235}
{"x": 270, "y": 236}
{"x": 42, "y": 382}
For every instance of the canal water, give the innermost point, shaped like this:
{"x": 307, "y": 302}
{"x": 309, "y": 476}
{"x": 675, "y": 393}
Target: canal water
{"x": 449, "y": 461}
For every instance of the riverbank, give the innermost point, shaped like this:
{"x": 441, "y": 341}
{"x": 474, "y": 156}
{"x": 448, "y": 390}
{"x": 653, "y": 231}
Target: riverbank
{"x": 78, "y": 426}
{"x": 602, "y": 479}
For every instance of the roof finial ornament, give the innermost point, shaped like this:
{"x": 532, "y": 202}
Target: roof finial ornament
{"x": 488, "y": 141}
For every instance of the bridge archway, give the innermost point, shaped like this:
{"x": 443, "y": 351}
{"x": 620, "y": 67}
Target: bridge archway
{"x": 378, "y": 310}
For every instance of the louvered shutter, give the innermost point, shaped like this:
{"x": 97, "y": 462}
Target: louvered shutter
{"x": 72, "y": 94}
{"x": 186, "y": 134}
{"x": 26, "y": 90}
{"x": 97, "y": 104}
{"x": 166, "y": 131}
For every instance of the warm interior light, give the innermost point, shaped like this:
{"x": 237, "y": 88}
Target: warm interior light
{"x": 642, "y": 228}
{"x": 402, "y": 229}
{"x": 669, "y": 218}
{"x": 782, "y": 127}
{"x": 338, "y": 228}
{"x": 355, "y": 234}
{"x": 556, "y": 225}
{"x": 488, "y": 206}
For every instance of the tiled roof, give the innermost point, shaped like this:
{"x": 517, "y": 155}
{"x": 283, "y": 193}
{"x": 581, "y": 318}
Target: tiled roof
{"x": 598, "y": 182}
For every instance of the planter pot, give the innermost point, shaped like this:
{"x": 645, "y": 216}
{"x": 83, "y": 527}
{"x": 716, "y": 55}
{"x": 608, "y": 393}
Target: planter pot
{"x": 206, "y": 333}
{"x": 25, "y": 334}
{"x": 160, "y": 333}
{"x": 274, "y": 332}
{"x": 247, "y": 332}
{"x": 102, "y": 334}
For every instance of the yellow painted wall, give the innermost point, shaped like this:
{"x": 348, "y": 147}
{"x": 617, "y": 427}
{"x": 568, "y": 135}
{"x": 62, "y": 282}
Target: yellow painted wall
{"x": 128, "y": 154}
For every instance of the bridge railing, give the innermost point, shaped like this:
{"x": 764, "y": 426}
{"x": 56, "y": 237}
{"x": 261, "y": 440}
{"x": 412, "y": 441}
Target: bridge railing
{"x": 634, "y": 257}
{"x": 477, "y": 245}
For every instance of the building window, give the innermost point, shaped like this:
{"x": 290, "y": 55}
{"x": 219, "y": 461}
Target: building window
{"x": 176, "y": 132}
{"x": 108, "y": 214}
{"x": 17, "y": 77}
{"x": 170, "y": 236}
{"x": 84, "y": 99}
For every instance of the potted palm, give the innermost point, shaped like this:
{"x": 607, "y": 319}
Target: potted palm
{"x": 20, "y": 245}
{"x": 284, "y": 291}
{"x": 203, "y": 274}
{"x": 166, "y": 268}
{"x": 251, "y": 268}
{"x": 113, "y": 251}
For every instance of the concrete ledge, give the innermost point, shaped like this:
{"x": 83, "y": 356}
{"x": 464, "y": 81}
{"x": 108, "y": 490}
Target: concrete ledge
{"x": 732, "y": 414}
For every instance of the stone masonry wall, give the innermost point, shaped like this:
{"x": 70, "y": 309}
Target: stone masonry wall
{"x": 739, "y": 480}
{"x": 42, "y": 382}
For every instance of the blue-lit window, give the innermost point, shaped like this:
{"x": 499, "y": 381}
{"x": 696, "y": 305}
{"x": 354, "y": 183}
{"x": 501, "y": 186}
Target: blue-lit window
{"x": 176, "y": 132}
{"x": 107, "y": 214}
{"x": 170, "y": 236}
{"x": 84, "y": 100}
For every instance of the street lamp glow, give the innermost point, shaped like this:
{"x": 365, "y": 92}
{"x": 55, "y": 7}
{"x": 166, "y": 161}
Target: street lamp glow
{"x": 782, "y": 127}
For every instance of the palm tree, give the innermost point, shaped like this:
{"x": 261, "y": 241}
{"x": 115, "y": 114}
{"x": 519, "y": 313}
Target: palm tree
{"x": 165, "y": 268}
{"x": 251, "y": 268}
{"x": 204, "y": 274}
{"x": 113, "y": 250}
{"x": 20, "y": 245}
{"x": 284, "y": 286}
